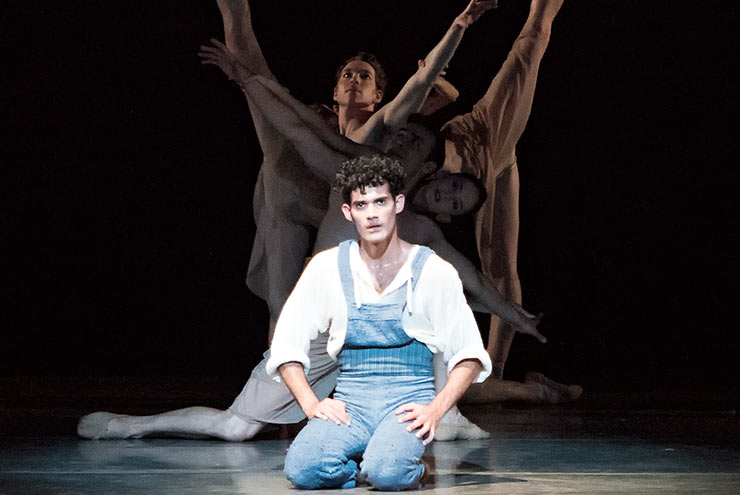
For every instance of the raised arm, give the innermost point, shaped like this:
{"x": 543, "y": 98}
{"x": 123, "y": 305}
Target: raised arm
{"x": 320, "y": 147}
{"x": 312, "y": 120}
{"x": 411, "y": 97}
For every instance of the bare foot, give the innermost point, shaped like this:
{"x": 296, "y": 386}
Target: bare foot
{"x": 102, "y": 425}
{"x": 567, "y": 392}
{"x": 451, "y": 432}
{"x": 538, "y": 389}
{"x": 455, "y": 426}
{"x": 546, "y": 9}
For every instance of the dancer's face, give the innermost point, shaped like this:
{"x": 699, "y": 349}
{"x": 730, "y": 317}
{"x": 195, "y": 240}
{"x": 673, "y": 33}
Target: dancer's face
{"x": 356, "y": 86}
{"x": 374, "y": 212}
{"x": 411, "y": 145}
{"x": 453, "y": 194}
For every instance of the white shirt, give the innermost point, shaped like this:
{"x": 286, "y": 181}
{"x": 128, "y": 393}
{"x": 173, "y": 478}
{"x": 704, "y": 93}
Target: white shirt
{"x": 436, "y": 313}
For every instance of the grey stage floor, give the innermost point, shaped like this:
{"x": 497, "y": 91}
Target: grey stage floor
{"x": 671, "y": 453}
{"x": 598, "y": 445}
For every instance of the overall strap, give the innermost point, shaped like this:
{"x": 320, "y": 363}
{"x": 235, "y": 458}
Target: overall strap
{"x": 418, "y": 264}
{"x": 345, "y": 273}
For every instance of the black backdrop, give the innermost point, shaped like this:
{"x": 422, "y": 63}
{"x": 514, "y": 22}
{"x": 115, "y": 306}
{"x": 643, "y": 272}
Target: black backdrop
{"x": 128, "y": 169}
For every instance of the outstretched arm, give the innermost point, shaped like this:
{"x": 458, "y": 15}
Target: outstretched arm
{"x": 484, "y": 296}
{"x": 320, "y": 147}
{"x": 411, "y": 97}
{"x": 311, "y": 119}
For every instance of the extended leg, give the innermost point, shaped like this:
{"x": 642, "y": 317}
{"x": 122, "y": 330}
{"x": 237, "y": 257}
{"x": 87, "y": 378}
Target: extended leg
{"x": 506, "y": 108}
{"x": 240, "y": 37}
{"x": 266, "y": 400}
{"x": 263, "y": 400}
{"x": 536, "y": 389}
{"x": 499, "y": 262}
{"x": 191, "y": 422}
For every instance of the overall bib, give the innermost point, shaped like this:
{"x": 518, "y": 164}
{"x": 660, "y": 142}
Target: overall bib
{"x": 380, "y": 369}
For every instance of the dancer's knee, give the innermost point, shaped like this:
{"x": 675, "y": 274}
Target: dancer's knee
{"x": 310, "y": 469}
{"x": 392, "y": 474}
{"x": 232, "y": 428}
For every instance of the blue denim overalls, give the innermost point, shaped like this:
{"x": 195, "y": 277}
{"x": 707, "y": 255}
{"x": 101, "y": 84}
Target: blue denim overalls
{"x": 380, "y": 369}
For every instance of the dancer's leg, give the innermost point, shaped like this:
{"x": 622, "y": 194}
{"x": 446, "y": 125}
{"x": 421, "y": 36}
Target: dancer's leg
{"x": 190, "y": 422}
{"x": 497, "y": 224}
{"x": 392, "y": 459}
{"x": 501, "y": 263}
{"x": 240, "y": 37}
{"x": 268, "y": 401}
{"x": 324, "y": 454}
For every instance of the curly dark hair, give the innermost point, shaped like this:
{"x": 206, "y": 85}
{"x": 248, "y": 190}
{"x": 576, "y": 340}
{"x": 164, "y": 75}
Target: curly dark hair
{"x": 381, "y": 79}
{"x": 369, "y": 171}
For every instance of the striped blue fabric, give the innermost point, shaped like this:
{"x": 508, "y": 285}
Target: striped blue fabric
{"x": 375, "y": 343}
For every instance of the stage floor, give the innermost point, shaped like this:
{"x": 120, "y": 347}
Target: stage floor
{"x": 532, "y": 450}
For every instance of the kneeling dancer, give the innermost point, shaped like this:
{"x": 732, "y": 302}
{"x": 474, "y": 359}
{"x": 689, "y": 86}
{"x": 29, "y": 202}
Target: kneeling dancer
{"x": 388, "y": 306}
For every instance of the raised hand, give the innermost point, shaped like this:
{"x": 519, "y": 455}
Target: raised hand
{"x": 474, "y": 10}
{"x": 219, "y": 55}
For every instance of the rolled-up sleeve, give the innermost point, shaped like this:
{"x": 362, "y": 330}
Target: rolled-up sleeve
{"x": 304, "y": 315}
{"x": 452, "y": 320}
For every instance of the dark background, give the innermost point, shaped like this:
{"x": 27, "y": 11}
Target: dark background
{"x": 128, "y": 170}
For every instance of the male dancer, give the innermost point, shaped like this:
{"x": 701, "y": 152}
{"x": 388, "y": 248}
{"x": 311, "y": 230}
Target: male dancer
{"x": 483, "y": 143}
{"x": 388, "y": 306}
{"x": 261, "y": 402}
{"x": 360, "y": 88}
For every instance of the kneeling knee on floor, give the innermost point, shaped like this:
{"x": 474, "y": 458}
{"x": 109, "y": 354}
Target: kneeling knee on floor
{"x": 309, "y": 471}
{"x": 390, "y": 474}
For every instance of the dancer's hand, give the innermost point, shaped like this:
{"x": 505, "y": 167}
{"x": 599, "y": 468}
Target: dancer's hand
{"x": 474, "y": 10}
{"x": 219, "y": 55}
{"x": 331, "y": 410}
{"x": 527, "y": 323}
{"x": 424, "y": 417}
